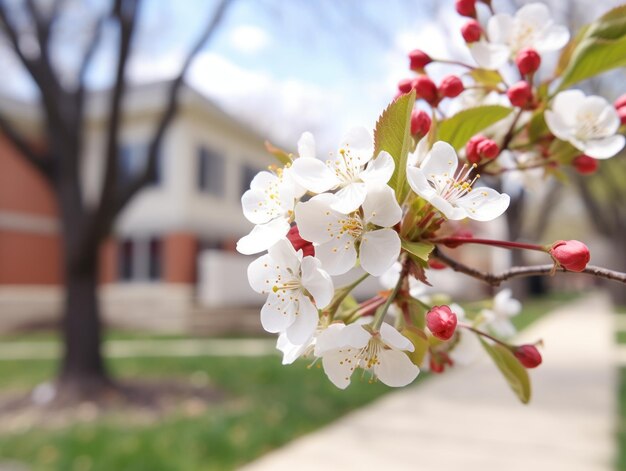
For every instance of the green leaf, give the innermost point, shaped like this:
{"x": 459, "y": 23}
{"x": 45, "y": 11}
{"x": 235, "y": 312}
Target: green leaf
{"x": 420, "y": 341}
{"x": 592, "y": 57}
{"x": 513, "y": 371}
{"x": 458, "y": 129}
{"x": 537, "y": 126}
{"x": 281, "y": 155}
{"x": 420, "y": 249}
{"x": 488, "y": 78}
{"x": 611, "y": 25}
{"x": 393, "y": 134}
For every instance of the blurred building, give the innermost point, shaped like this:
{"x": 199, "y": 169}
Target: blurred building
{"x": 173, "y": 245}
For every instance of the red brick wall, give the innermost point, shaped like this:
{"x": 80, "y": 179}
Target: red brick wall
{"x": 179, "y": 258}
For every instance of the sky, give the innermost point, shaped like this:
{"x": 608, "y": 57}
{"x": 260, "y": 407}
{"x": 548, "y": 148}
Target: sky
{"x": 283, "y": 67}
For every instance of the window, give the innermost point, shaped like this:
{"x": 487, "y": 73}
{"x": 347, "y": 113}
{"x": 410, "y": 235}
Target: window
{"x": 248, "y": 174}
{"x": 133, "y": 159}
{"x": 211, "y": 172}
{"x": 140, "y": 259}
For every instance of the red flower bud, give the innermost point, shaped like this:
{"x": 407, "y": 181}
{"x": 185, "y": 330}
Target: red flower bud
{"x": 405, "y": 85}
{"x": 479, "y": 147}
{"x": 528, "y": 61}
{"x": 471, "y": 31}
{"x": 426, "y": 89}
{"x": 438, "y": 362}
{"x": 620, "y": 102}
{"x": 622, "y": 114}
{"x": 466, "y": 7}
{"x": 572, "y": 255}
{"x": 520, "y": 94}
{"x": 451, "y": 86}
{"x": 420, "y": 123}
{"x": 442, "y": 322}
{"x": 418, "y": 60}
{"x": 585, "y": 165}
{"x": 299, "y": 243}
{"x": 436, "y": 264}
{"x": 528, "y": 355}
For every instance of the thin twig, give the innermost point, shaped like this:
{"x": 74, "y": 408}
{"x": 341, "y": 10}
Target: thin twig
{"x": 495, "y": 279}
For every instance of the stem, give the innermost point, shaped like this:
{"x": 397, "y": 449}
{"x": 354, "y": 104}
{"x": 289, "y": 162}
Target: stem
{"x": 342, "y": 293}
{"x": 484, "y": 334}
{"x": 380, "y": 315}
{"x": 494, "y": 243}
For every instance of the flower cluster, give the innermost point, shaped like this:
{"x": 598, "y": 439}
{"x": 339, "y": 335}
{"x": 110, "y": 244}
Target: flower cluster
{"x": 387, "y": 206}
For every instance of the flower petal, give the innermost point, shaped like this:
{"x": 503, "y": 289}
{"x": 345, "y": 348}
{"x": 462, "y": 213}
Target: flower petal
{"x": 277, "y": 313}
{"x": 604, "y": 148}
{"x": 449, "y": 211}
{"x": 379, "y": 250}
{"x": 552, "y": 38}
{"x": 381, "y": 208}
{"x": 355, "y": 336}
{"x": 329, "y": 339}
{"x": 395, "y": 339}
{"x": 306, "y": 146}
{"x": 500, "y": 27}
{"x": 338, "y": 256}
{"x": 305, "y": 321}
{"x": 316, "y": 281}
{"x": 262, "y": 275}
{"x": 419, "y": 183}
{"x": 484, "y": 204}
{"x": 350, "y": 197}
{"x": 283, "y": 255}
{"x": 489, "y": 56}
{"x": 291, "y": 352}
{"x": 395, "y": 369}
{"x": 567, "y": 104}
{"x": 440, "y": 161}
{"x": 379, "y": 170}
{"x": 360, "y": 144}
{"x": 557, "y": 125}
{"x": 316, "y": 221}
{"x": 339, "y": 366}
{"x": 263, "y": 236}
{"x": 313, "y": 174}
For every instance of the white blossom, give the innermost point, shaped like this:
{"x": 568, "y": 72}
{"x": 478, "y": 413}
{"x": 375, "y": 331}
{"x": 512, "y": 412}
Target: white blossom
{"x": 498, "y": 317}
{"x": 351, "y": 170}
{"x": 589, "y": 123}
{"x": 296, "y": 288}
{"x": 531, "y": 27}
{"x": 449, "y": 190}
{"x": 338, "y": 236}
{"x": 343, "y": 349}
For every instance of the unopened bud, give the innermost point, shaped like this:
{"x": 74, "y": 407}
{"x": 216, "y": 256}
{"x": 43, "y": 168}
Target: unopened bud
{"x": 441, "y": 321}
{"x": 438, "y": 362}
{"x": 528, "y": 355}
{"x": 621, "y": 112}
{"x": 466, "y": 7}
{"x": 418, "y": 60}
{"x": 299, "y": 243}
{"x": 420, "y": 123}
{"x": 572, "y": 255}
{"x": 528, "y": 61}
{"x": 585, "y": 165}
{"x": 426, "y": 89}
{"x": 520, "y": 94}
{"x": 405, "y": 85}
{"x": 479, "y": 147}
{"x": 488, "y": 149}
{"x": 471, "y": 31}
{"x": 451, "y": 86}
{"x": 620, "y": 102}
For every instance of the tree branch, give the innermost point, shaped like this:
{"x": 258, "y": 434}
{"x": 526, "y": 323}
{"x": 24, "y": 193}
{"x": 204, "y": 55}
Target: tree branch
{"x": 41, "y": 163}
{"x": 168, "y": 115}
{"x": 517, "y": 272}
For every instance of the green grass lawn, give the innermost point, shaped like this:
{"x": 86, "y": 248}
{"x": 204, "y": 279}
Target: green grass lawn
{"x": 266, "y": 405}
{"x": 621, "y": 428}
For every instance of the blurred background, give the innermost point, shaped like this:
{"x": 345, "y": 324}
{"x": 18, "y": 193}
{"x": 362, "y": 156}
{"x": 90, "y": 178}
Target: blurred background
{"x": 119, "y": 176}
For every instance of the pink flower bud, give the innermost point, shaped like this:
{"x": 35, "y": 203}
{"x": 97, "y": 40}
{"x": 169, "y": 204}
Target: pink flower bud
{"x": 572, "y": 255}
{"x": 622, "y": 114}
{"x": 299, "y": 243}
{"x": 426, "y": 89}
{"x": 528, "y": 355}
{"x": 451, "y": 86}
{"x": 488, "y": 149}
{"x": 442, "y": 322}
{"x": 528, "y": 61}
{"x": 520, "y": 94}
{"x": 620, "y": 102}
{"x": 471, "y": 149}
{"x": 466, "y": 7}
{"x": 471, "y": 31}
{"x": 438, "y": 362}
{"x": 405, "y": 85}
{"x": 418, "y": 60}
{"x": 420, "y": 123}
{"x": 585, "y": 165}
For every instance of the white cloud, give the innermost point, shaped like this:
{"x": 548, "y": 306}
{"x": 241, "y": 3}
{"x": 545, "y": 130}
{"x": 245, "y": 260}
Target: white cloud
{"x": 249, "y": 39}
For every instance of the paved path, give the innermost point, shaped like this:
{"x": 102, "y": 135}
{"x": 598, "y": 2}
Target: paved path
{"x": 470, "y": 421}
{"x": 146, "y": 348}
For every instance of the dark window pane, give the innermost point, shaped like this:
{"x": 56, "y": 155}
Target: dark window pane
{"x": 155, "y": 259}
{"x": 125, "y": 259}
{"x": 211, "y": 172}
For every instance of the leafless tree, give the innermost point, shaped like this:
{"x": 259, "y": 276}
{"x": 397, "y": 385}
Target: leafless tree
{"x": 84, "y": 227}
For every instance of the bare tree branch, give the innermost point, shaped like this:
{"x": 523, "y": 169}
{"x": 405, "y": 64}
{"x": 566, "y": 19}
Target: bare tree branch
{"x": 42, "y": 163}
{"x": 169, "y": 114}
{"x": 517, "y": 272}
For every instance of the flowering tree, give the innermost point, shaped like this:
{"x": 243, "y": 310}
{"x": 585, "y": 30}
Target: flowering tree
{"x": 388, "y": 203}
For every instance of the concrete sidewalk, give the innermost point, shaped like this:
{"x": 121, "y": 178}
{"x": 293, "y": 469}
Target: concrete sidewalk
{"x": 470, "y": 420}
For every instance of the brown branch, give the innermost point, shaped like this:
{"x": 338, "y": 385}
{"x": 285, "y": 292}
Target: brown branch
{"x": 168, "y": 115}
{"x": 517, "y": 272}
{"x": 42, "y": 163}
